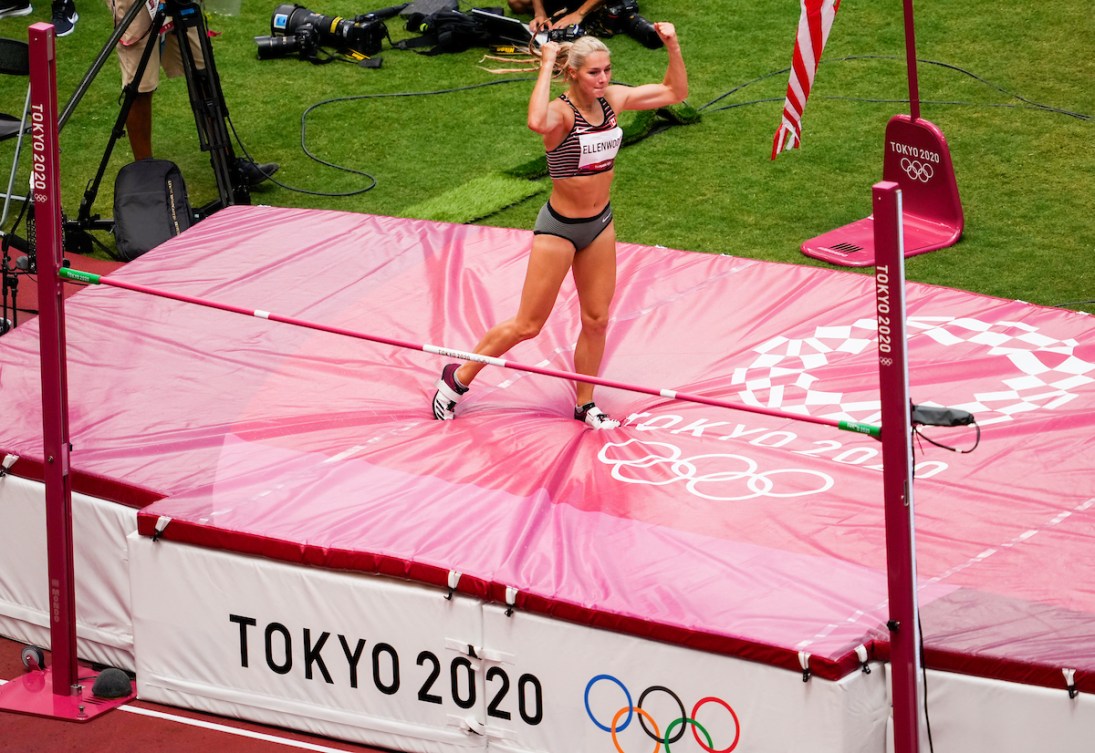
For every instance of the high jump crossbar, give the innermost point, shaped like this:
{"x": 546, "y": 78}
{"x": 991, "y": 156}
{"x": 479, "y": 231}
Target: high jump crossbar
{"x": 76, "y": 275}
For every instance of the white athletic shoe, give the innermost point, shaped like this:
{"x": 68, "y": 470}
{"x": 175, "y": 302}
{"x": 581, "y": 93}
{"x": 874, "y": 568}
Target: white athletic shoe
{"x": 64, "y": 17}
{"x": 448, "y": 394}
{"x": 14, "y": 8}
{"x": 592, "y": 416}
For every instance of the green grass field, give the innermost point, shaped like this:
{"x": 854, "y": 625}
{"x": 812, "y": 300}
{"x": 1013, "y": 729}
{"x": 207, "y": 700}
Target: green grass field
{"x": 1010, "y": 86}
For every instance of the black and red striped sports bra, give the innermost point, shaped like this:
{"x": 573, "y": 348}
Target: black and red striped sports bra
{"x": 588, "y": 149}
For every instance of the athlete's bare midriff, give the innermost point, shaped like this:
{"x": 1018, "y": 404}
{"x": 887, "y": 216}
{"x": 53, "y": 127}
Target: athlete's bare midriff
{"x": 581, "y": 196}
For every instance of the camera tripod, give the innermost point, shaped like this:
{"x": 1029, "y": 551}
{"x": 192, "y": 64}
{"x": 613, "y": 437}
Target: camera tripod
{"x": 211, "y": 119}
{"x": 206, "y": 101}
{"x": 10, "y": 273}
{"x": 9, "y": 284}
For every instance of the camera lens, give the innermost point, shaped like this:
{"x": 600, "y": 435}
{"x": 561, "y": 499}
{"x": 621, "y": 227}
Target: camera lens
{"x": 642, "y": 31}
{"x": 277, "y": 47}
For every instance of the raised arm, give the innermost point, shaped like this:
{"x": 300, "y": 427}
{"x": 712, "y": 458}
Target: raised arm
{"x": 542, "y": 117}
{"x": 672, "y": 89}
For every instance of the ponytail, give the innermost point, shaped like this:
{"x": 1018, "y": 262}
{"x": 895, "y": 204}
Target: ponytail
{"x": 571, "y": 55}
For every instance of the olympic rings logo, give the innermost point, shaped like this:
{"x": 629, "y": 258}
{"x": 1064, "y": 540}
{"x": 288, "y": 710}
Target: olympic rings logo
{"x": 917, "y": 170}
{"x": 886, "y": 361}
{"x": 622, "y": 719}
{"x": 662, "y": 464}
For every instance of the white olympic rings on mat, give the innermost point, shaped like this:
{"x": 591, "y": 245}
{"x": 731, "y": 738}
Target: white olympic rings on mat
{"x": 917, "y": 170}
{"x": 721, "y": 477}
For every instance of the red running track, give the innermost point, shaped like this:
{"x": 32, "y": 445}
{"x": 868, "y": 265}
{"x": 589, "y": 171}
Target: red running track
{"x": 141, "y": 726}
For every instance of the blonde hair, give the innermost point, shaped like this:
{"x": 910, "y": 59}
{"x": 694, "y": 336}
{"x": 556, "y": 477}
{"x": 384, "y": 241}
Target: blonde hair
{"x": 573, "y": 55}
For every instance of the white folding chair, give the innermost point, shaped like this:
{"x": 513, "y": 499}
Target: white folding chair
{"x": 14, "y": 61}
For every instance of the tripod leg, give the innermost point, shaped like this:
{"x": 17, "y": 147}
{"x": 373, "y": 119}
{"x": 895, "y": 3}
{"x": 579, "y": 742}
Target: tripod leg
{"x": 9, "y": 319}
{"x": 120, "y": 28}
{"x": 210, "y": 110}
{"x": 76, "y": 232}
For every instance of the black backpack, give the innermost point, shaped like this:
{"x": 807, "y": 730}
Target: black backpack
{"x": 150, "y": 206}
{"x": 447, "y": 31}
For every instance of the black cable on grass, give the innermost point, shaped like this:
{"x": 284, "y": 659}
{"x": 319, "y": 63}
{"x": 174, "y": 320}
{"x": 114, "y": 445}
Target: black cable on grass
{"x": 644, "y": 126}
{"x": 1026, "y": 103}
{"x": 334, "y": 100}
{"x": 739, "y": 87}
{"x": 310, "y": 192}
{"x": 372, "y": 182}
{"x": 1031, "y": 104}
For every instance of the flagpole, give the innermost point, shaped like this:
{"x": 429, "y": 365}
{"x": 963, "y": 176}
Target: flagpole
{"x": 910, "y": 61}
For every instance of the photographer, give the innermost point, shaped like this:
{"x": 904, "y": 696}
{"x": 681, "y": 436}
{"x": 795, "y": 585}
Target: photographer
{"x": 131, "y": 47}
{"x": 553, "y": 14}
{"x": 602, "y": 18}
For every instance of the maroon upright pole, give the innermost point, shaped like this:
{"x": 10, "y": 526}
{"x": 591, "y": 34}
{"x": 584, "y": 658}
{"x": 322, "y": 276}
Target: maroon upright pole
{"x": 56, "y": 691}
{"x": 46, "y": 190}
{"x": 910, "y": 61}
{"x": 897, "y": 466}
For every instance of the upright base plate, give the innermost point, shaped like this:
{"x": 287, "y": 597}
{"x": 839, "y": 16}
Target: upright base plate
{"x": 33, "y": 694}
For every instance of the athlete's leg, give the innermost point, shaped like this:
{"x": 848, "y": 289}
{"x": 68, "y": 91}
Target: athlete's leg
{"x": 594, "y": 271}
{"x": 548, "y": 262}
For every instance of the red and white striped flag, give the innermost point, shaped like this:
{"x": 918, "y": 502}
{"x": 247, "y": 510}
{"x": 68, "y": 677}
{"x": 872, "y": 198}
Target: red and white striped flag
{"x": 813, "y": 30}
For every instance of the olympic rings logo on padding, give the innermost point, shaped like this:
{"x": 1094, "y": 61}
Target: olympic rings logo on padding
{"x": 917, "y": 170}
{"x": 623, "y": 717}
{"x": 722, "y": 478}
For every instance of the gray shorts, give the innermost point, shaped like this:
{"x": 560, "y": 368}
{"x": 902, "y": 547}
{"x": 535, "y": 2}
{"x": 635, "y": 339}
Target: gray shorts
{"x": 580, "y": 232}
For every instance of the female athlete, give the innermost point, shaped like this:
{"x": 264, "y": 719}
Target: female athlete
{"x": 574, "y": 231}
